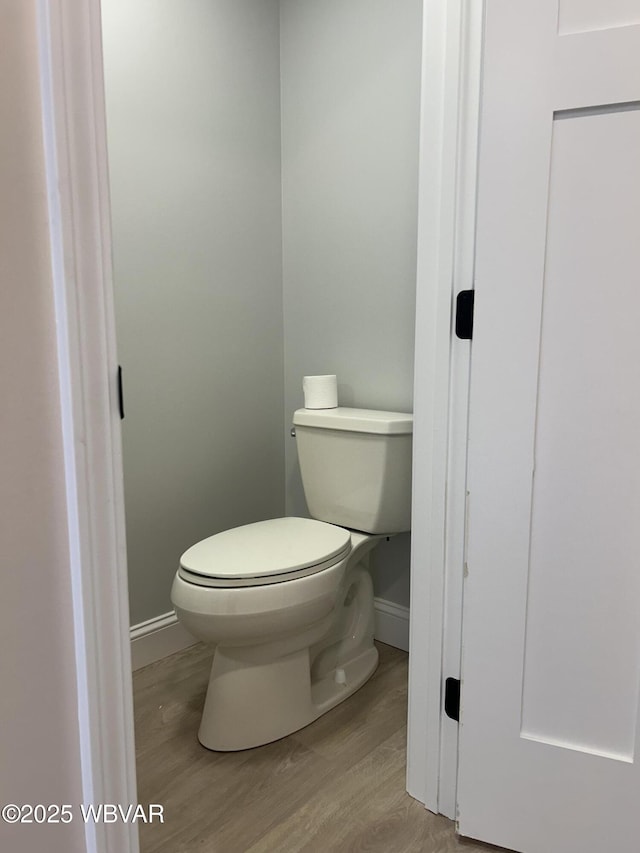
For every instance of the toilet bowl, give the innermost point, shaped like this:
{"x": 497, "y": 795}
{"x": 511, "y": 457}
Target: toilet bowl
{"x": 288, "y": 602}
{"x": 289, "y": 645}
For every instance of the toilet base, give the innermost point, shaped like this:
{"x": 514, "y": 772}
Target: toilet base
{"x": 252, "y": 702}
{"x": 266, "y": 684}
{"x": 332, "y": 689}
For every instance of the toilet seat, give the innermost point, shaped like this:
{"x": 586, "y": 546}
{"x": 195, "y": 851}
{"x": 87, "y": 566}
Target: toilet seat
{"x": 266, "y": 552}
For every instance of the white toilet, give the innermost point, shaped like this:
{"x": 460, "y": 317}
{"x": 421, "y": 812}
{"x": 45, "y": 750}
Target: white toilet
{"x": 289, "y": 602}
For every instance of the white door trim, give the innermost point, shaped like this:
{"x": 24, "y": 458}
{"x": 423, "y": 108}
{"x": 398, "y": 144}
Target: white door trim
{"x": 451, "y": 69}
{"x": 70, "y": 58}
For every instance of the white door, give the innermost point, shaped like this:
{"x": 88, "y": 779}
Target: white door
{"x": 549, "y": 751}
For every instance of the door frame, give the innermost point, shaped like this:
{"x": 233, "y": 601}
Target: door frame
{"x": 451, "y": 78}
{"x": 74, "y": 134}
{"x": 71, "y": 68}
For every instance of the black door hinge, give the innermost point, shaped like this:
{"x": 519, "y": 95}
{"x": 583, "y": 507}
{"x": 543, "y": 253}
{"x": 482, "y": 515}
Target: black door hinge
{"x": 452, "y": 698}
{"x": 120, "y": 394}
{"x": 464, "y": 314}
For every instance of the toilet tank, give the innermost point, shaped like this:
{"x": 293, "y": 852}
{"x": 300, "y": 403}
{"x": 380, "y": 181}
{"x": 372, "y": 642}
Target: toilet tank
{"x": 356, "y": 467}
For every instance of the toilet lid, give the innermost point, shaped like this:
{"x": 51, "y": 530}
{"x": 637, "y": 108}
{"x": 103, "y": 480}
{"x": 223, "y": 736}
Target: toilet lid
{"x": 265, "y": 552}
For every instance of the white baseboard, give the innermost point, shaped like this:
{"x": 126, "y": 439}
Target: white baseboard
{"x": 158, "y": 638}
{"x": 163, "y": 635}
{"x": 392, "y": 624}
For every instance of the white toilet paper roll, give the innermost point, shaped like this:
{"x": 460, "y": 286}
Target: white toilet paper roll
{"x": 320, "y": 392}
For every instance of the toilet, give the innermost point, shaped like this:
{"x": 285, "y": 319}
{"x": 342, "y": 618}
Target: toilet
{"x": 288, "y": 602}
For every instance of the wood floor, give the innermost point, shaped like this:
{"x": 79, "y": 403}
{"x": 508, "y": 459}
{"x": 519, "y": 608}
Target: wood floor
{"x": 337, "y": 785}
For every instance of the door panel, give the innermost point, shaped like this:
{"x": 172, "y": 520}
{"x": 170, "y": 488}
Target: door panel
{"x": 592, "y": 69}
{"x": 583, "y": 601}
{"x": 578, "y": 16}
{"x": 551, "y": 621}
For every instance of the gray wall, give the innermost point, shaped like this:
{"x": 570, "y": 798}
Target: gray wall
{"x": 350, "y": 126}
{"x": 193, "y": 109}
{"x": 39, "y": 751}
{"x": 219, "y": 112}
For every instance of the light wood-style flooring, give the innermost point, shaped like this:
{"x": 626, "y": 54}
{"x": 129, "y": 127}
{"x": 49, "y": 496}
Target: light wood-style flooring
{"x": 337, "y": 785}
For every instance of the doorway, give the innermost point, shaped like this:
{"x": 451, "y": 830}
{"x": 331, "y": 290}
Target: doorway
{"x": 73, "y": 71}
{"x": 263, "y": 164}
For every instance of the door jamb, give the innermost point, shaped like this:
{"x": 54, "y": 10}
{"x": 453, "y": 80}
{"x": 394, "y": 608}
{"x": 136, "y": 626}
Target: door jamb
{"x": 73, "y": 122}
{"x": 451, "y": 75}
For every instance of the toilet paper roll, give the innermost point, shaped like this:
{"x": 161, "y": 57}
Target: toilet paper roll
{"x": 320, "y": 392}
